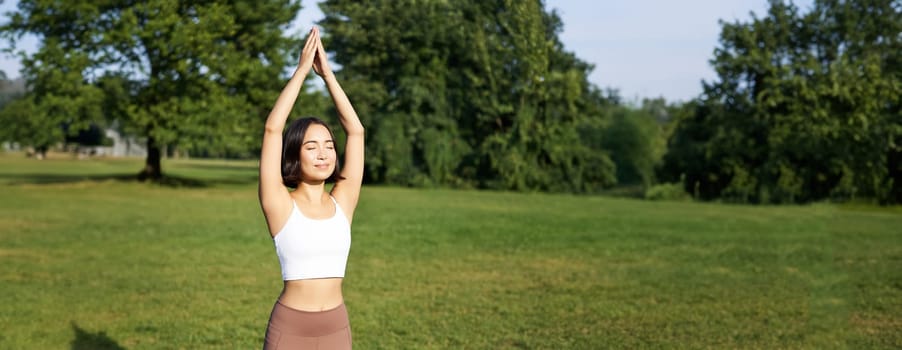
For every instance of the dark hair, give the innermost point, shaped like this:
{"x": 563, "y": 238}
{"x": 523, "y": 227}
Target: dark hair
{"x": 291, "y": 151}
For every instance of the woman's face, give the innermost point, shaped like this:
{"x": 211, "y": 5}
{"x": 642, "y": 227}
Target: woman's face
{"x": 317, "y": 154}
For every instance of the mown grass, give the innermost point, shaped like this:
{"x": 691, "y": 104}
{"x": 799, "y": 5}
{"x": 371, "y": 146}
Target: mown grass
{"x": 92, "y": 259}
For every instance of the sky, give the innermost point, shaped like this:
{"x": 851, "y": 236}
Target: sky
{"x": 643, "y": 48}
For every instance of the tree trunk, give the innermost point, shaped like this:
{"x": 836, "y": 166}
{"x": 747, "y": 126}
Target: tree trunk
{"x": 152, "y": 169}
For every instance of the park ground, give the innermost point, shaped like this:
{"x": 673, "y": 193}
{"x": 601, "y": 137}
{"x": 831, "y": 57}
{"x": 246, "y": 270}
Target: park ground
{"x": 91, "y": 259}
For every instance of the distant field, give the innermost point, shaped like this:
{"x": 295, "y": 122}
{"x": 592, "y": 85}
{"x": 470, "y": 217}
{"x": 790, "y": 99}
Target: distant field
{"x": 90, "y": 259}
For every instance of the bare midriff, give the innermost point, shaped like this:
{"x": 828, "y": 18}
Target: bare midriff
{"x": 312, "y": 294}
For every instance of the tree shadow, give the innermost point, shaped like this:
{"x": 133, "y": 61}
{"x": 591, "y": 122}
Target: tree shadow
{"x": 85, "y": 340}
{"x": 166, "y": 180}
{"x": 48, "y": 178}
{"x": 220, "y": 166}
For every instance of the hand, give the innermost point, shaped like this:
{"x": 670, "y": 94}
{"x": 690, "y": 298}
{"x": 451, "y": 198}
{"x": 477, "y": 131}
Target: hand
{"x": 321, "y": 62}
{"x": 309, "y": 53}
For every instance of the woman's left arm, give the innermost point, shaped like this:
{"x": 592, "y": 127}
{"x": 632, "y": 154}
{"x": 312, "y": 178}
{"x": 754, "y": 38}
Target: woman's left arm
{"x": 347, "y": 189}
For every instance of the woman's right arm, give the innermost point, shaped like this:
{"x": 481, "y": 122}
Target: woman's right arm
{"x": 274, "y": 198}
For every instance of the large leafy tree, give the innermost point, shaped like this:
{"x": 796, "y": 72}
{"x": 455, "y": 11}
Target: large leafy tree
{"x": 469, "y": 93}
{"x": 633, "y": 137}
{"x": 178, "y": 73}
{"x": 806, "y": 106}
{"x": 59, "y": 100}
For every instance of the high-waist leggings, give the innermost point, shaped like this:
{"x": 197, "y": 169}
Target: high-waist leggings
{"x": 294, "y": 329}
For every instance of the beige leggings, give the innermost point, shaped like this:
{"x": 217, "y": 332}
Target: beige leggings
{"x": 296, "y": 329}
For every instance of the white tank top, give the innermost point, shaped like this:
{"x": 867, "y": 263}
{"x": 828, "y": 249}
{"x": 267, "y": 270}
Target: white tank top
{"x": 310, "y": 248}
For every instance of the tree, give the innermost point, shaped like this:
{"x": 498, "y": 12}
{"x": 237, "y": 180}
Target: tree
{"x": 179, "y": 73}
{"x": 806, "y": 106}
{"x": 633, "y": 139}
{"x": 467, "y": 93}
{"x": 10, "y": 89}
{"x": 57, "y": 97}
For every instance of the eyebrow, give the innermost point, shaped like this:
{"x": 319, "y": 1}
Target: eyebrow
{"x": 314, "y": 141}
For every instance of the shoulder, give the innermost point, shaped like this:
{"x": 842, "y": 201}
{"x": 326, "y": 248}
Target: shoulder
{"x": 278, "y": 214}
{"x": 343, "y": 208}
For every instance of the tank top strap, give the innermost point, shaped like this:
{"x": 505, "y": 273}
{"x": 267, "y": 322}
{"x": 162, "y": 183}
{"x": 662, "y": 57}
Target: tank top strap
{"x": 337, "y": 207}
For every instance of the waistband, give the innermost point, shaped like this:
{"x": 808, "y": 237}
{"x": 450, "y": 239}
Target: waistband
{"x": 308, "y": 323}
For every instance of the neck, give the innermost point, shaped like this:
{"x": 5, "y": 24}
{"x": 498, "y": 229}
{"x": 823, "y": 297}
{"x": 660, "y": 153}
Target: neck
{"x": 310, "y": 192}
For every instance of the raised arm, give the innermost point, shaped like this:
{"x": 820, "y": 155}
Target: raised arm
{"x": 347, "y": 189}
{"x": 274, "y": 197}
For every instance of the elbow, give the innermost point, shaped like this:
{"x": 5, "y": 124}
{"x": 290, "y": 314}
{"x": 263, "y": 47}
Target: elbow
{"x": 356, "y": 131}
{"x": 271, "y": 129}
{"x": 354, "y": 128}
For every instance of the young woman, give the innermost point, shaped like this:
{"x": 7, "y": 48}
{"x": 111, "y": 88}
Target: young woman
{"x": 311, "y": 228}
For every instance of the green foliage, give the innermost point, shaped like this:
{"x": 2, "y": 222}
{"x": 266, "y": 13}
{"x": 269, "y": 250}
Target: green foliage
{"x": 806, "y": 107}
{"x": 22, "y": 123}
{"x": 59, "y": 102}
{"x": 668, "y": 191}
{"x": 10, "y": 89}
{"x": 484, "y": 95}
{"x": 633, "y": 138}
{"x": 178, "y": 73}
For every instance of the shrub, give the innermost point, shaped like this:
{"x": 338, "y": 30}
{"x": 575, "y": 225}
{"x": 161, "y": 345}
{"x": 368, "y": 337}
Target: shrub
{"x": 673, "y": 191}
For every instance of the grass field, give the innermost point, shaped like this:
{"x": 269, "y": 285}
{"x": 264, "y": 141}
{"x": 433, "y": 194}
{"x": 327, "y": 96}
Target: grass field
{"x": 92, "y": 260}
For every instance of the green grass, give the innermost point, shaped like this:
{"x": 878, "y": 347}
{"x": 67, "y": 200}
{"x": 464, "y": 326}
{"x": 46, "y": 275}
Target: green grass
{"x": 91, "y": 259}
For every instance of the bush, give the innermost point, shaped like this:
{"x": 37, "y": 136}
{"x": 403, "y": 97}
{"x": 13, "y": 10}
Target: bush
{"x": 667, "y": 191}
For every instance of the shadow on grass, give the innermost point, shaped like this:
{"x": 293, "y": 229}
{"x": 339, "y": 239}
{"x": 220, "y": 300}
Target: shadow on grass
{"x": 238, "y": 165}
{"x": 166, "y": 180}
{"x": 85, "y": 340}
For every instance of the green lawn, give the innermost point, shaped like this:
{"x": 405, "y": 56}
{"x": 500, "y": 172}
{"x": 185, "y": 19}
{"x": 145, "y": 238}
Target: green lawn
{"x": 92, "y": 260}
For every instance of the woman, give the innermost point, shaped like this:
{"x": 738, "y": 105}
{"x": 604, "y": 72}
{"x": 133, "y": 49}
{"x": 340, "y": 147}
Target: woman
{"x": 311, "y": 228}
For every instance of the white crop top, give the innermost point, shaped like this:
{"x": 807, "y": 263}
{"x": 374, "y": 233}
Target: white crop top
{"x": 310, "y": 248}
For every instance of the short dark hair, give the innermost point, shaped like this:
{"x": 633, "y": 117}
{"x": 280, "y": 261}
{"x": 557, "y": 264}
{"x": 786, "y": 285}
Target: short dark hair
{"x": 291, "y": 151}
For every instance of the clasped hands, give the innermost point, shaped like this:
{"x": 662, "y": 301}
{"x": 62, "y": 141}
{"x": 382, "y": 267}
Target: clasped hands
{"x": 314, "y": 56}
